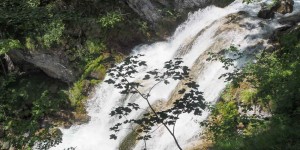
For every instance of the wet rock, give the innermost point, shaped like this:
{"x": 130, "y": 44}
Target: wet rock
{"x": 290, "y": 20}
{"x": 66, "y": 119}
{"x": 266, "y": 13}
{"x": 278, "y": 32}
{"x": 81, "y": 118}
{"x": 10, "y": 65}
{"x": 282, "y": 7}
{"x": 285, "y": 6}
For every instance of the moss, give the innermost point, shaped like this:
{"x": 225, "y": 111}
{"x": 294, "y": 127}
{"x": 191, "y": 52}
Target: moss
{"x": 243, "y": 93}
{"x": 9, "y": 44}
{"x": 247, "y": 95}
{"x": 29, "y": 43}
{"x": 230, "y": 93}
{"x": 93, "y": 65}
{"x": 93, "y": 74}
{"x": 95, "y": 46}
{"x": 129, "y": 141}
{"x": 76, "y": 93}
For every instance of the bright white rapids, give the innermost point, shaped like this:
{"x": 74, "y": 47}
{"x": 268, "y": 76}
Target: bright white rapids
{"x": 209, "y": 29}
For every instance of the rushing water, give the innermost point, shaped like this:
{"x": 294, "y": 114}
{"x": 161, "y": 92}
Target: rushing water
{"x": 209, "y": 29}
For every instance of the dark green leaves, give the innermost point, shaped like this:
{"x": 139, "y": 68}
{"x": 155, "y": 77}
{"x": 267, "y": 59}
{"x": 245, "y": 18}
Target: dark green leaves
{"x": 226, "y": 56}
{"x": 113, "y": 136}
{"x": 147, "y": 77}
{"x": 190, "y": 101}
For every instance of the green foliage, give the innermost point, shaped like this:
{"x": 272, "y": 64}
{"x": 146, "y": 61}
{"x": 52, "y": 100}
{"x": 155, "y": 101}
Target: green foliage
{"x": 33, "y": 3}
{"x": 54, "y": 31}
{"x": 111, "y": 19}
{"x": 274, "y": 3}
{"x": 228, "y": 57}
{"x": 249, "y": 1}
{"x": 95, "y": 47}
{"x": 25, "y": 101}
{"x": 76, "y": 93}
{"x": 30, "y": 43}
{"x": 8, "y": 44}
{"x": 68, "y": 27}
{"x": 274, "y": 88}
{"x": 143, "y": 27}
{"x": 79, "y": 92}
{"x": 228, "y": 117}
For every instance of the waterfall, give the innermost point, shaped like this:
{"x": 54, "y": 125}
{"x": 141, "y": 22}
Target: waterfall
{"x": 207, "y": 30}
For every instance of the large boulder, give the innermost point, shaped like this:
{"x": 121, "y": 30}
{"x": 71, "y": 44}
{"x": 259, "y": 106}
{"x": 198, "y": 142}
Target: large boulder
{"x": 282, "y": 7}
{"x": 53, "y": 64}
{"x": 291, "y": 20}
{"x": 285, "y": 6}
{"x": 266, "y": 12}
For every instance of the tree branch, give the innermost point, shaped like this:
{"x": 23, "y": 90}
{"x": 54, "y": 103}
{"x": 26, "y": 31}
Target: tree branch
{"x": 152, "y": 109}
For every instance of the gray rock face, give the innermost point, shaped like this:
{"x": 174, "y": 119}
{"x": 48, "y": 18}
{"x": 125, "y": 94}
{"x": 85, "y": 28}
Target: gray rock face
{"x": 182, "y": 5}
{"x": 153, "y": 10}
{"x": 290, "y": 20}
{"x": 53, "y": 65}
{"x": 57, "y": 66}
{"x": 145, "y": 8}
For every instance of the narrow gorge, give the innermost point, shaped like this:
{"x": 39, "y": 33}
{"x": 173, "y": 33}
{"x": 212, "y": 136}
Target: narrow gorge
{"x": 207, "y": 30}
{"x": 55, "y": 55}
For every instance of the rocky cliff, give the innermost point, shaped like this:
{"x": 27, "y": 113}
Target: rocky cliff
{"x": 52, "y": 64}
{"x": 90, "y": 29}
{"x": 156, "y": 10}
{"x": 83, "y": 36}
{"x": 63, "y": 39}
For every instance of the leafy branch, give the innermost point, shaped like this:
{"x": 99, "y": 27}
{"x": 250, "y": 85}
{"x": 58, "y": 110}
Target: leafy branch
{"x": 228, "y": 57}
{"x": 191, "y": 100}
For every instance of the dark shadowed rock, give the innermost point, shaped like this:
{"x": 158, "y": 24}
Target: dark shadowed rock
{"x": 291, "y": 20}
{"x": 266, "y": 13}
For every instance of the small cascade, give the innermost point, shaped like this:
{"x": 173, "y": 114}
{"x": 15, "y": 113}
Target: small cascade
{"x": 207, "y": 30}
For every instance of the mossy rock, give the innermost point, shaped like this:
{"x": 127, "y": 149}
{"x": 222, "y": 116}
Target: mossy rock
{"x": 129, "y": 141}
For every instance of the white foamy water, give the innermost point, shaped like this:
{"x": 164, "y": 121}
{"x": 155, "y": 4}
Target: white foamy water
{"x": 209, "y": 29}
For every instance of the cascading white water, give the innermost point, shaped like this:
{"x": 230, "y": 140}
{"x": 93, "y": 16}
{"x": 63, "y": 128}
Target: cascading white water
{"x": 209, "y": 29}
